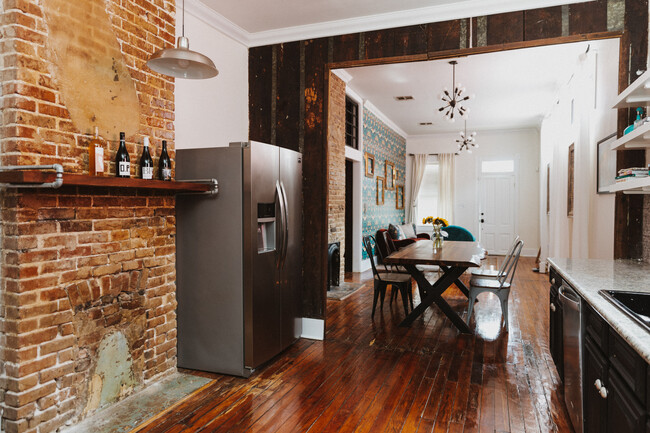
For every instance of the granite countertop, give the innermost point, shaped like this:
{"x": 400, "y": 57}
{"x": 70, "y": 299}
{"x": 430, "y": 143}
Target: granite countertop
{"x": 588, "y": 276}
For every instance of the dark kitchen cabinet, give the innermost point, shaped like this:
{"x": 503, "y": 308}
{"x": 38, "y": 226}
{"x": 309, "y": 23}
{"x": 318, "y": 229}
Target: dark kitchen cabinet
{"x": 614, "y": 380}
{"x": 555, "y": 324}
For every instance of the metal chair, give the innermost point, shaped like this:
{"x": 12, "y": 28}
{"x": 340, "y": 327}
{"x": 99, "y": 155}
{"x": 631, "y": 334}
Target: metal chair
{"x": 500, "y": 286}
{"x": 493, "y": 273}
{"x": 382, "y": 279}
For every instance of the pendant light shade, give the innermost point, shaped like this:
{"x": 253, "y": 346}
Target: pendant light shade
{"x": 181, "y": 62}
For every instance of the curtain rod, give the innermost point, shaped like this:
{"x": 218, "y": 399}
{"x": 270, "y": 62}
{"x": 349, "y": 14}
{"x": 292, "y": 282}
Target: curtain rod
{"x": 430, "y": 154}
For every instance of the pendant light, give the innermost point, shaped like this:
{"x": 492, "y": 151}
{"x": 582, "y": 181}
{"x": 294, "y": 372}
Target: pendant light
{"x": 181, "y": 62}
{"x": 453, "y": 99}
{"x": 466, "y": 141}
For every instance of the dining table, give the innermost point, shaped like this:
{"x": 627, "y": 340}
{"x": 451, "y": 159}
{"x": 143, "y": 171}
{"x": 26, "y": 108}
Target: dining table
{"x": 453, "y": 259}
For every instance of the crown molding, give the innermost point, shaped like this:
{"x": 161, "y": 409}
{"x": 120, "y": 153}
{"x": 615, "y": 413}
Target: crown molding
{"x": 209, "y": 16}
{"x": 450, "y": 11}
{"x": 381, "y": 116}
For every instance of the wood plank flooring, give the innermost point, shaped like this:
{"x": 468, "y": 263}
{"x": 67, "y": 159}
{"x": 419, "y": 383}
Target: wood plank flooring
{"x": 373, "y": 376}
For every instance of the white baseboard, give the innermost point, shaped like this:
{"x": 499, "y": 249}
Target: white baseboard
{"x": 365, "y": 265}
{"x": 529, "y": 252}
{"x": 313, "y": 329}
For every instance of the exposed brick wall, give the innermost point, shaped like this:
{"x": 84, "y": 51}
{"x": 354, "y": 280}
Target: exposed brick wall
{"x": 336, "y": 164}
{"x": 82, "y": 264}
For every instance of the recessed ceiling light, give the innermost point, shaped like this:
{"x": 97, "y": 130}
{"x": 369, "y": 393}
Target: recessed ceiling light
{"x": 404, "y": 98}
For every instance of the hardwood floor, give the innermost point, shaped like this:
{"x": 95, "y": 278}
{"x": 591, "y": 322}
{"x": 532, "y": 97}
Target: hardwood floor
{"x": 373, "y": 376}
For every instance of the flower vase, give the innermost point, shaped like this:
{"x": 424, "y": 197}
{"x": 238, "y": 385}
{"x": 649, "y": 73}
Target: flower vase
{"x": 437, "y": 236}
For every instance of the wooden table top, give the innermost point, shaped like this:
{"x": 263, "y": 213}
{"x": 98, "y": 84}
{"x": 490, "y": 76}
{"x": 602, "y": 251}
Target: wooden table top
{"x": 452, "y": 253}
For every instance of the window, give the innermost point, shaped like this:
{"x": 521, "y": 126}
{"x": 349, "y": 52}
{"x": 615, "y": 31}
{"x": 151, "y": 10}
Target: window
{"x": 505, "y": 166}
{"x": 351, "y": 123}
{"x": 428, "y": 195}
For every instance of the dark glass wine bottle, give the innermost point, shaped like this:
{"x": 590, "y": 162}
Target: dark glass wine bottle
{"x": 164, "y": 163}
{"x": 122, "y": 160}
{"x": 146, "y": 163}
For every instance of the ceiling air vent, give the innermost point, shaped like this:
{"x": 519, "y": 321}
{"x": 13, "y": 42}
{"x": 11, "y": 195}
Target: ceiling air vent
{"x": 404, "y": 98}
{"x": 426, "y": 123}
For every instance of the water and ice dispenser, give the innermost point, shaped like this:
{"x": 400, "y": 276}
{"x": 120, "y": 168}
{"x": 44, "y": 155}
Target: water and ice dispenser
{"x": 265, "y": 227}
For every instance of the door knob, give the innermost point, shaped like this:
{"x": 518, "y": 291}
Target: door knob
{"x": 598, "y": 384}
{"x": 603, "y": 392}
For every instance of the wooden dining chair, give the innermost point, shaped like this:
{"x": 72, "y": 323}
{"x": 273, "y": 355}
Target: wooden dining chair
{"x": 500, "y": 286}
{"x": 495, "y": 273}
{"x": 382, "y": 280}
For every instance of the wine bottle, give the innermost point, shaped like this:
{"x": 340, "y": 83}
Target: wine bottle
{"x": 96, "y": 155}
{"x": 146, "y": 163}
{"x": 122, "y": 160}
{"x": 164, "y": 163}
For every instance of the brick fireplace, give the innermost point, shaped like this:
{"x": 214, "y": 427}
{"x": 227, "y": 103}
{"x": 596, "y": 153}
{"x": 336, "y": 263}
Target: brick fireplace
{"x": 88, "y": 273}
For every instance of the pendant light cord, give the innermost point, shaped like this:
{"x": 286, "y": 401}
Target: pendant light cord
{"x": 183, "y": 24}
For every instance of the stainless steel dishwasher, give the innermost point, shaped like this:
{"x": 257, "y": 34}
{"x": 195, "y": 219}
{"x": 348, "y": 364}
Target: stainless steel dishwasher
{"x": 572, "y": 342}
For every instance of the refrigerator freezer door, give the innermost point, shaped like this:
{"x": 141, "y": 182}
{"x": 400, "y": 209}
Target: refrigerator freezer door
{"x": 210, "y": 274}
{"x": 261, "y": 291}
{"x": 291, "y": 271}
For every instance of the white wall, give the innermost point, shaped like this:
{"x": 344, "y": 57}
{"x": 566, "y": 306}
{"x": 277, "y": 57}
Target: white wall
{"x": 522, "y": 145}
{"x": 212, "y": 112}
{"x": 590, "y": 232}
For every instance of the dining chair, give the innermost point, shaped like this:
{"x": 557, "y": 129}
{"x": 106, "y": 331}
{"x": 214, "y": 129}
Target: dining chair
{"x": 382, "y": 280}
{"x": 500, "y": 286}
{"x": 494, "y": 273}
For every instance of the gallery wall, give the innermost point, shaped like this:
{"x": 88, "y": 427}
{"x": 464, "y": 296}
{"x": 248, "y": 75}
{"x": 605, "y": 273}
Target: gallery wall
{"x": 385, "y": 144}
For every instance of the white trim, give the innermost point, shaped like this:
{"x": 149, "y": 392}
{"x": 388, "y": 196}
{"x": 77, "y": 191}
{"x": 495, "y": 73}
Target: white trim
{"x": 365, "y": 265}
{"x": 450, "y": 11}
{"x": 369, "y": 105}
{"x": 313, "y": 329}
{"x": 343, "y": 75}
{"x": 209, "y": 16}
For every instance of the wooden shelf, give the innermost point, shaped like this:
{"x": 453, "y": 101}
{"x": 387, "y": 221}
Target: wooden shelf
{"x": 636, "y": 95}
{"x": 639, "y": 138}
{"x": 23, "y": 177}
{"x": 633, "y": 185}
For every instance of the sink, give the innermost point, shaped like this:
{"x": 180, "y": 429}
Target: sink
{"x": 635, "y": 304}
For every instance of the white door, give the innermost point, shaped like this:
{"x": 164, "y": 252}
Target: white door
{"x": 497, "y": 212}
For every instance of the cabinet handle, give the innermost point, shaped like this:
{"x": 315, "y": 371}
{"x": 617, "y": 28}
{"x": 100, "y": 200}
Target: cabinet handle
{"x": 553, "y": 281}
{"x": 603, "y": 392}
{"x": 553, "y": 307}
{"x": 598, "y": 384}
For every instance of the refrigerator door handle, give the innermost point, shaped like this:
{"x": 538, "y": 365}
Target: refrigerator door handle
{"x": 278, "y": 190}
{"x": 285, "y": 241}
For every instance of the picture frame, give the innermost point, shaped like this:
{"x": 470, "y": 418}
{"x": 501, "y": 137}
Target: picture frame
{"x": 380, "y": 190}
{"x": 370, "y": 164}
{"x": 399, "y": 197}
{"x": 605, "y": 164}
{"x": 389, "y": 175}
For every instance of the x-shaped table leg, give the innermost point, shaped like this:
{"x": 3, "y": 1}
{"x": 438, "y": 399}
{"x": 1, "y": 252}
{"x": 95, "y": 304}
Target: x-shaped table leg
{"x": 433, "y": 293}
{"x": 463, "y": 288}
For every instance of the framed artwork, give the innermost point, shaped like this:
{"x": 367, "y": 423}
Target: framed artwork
{"x": 570, "y": 182}
{"x": 370, "y": 164}
{"x": 605, "y": 164}
{"x": 389, "y": 175}
{"x": 380, "y": 190}
{"x": 399, "y": 197}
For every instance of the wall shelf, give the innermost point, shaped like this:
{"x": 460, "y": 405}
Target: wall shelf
{"x": 636, "y": 95}
{"x": 639, "y": 138}
{"x": 27, "y": 177}
{"x": 633, "y": 185}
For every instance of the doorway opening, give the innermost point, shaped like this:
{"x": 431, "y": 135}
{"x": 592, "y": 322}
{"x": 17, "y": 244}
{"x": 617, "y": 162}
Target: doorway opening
{"x": 349, "y": 215}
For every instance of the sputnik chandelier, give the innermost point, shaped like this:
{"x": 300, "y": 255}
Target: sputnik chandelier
{"x": 453, "y": 100}
{"x": 466, "y": 142}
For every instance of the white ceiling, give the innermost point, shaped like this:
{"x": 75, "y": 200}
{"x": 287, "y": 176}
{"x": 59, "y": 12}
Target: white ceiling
{"x": 262, "y": 22}
{"x": 513, "y": 89}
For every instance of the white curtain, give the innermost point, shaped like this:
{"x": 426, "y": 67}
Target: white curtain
{"x": 417, "y": 173}
{"x": 446, "y": 195}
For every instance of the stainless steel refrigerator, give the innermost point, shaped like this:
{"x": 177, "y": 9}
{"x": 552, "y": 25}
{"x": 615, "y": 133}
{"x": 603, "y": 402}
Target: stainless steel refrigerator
{"x": 238, "y": 257}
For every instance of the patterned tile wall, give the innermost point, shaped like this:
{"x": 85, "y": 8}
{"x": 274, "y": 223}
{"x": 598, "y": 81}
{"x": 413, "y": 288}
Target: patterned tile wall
{"x": 386, "y": 145}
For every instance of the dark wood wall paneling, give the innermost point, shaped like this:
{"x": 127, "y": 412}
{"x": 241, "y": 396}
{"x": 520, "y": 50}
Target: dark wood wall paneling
{"x": 543, "y": 23}
{"x": 584, "y": 18}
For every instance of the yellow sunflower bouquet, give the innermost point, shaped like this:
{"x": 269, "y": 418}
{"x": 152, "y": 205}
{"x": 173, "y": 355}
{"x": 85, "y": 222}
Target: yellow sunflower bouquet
{"x": 437, "y": 220}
